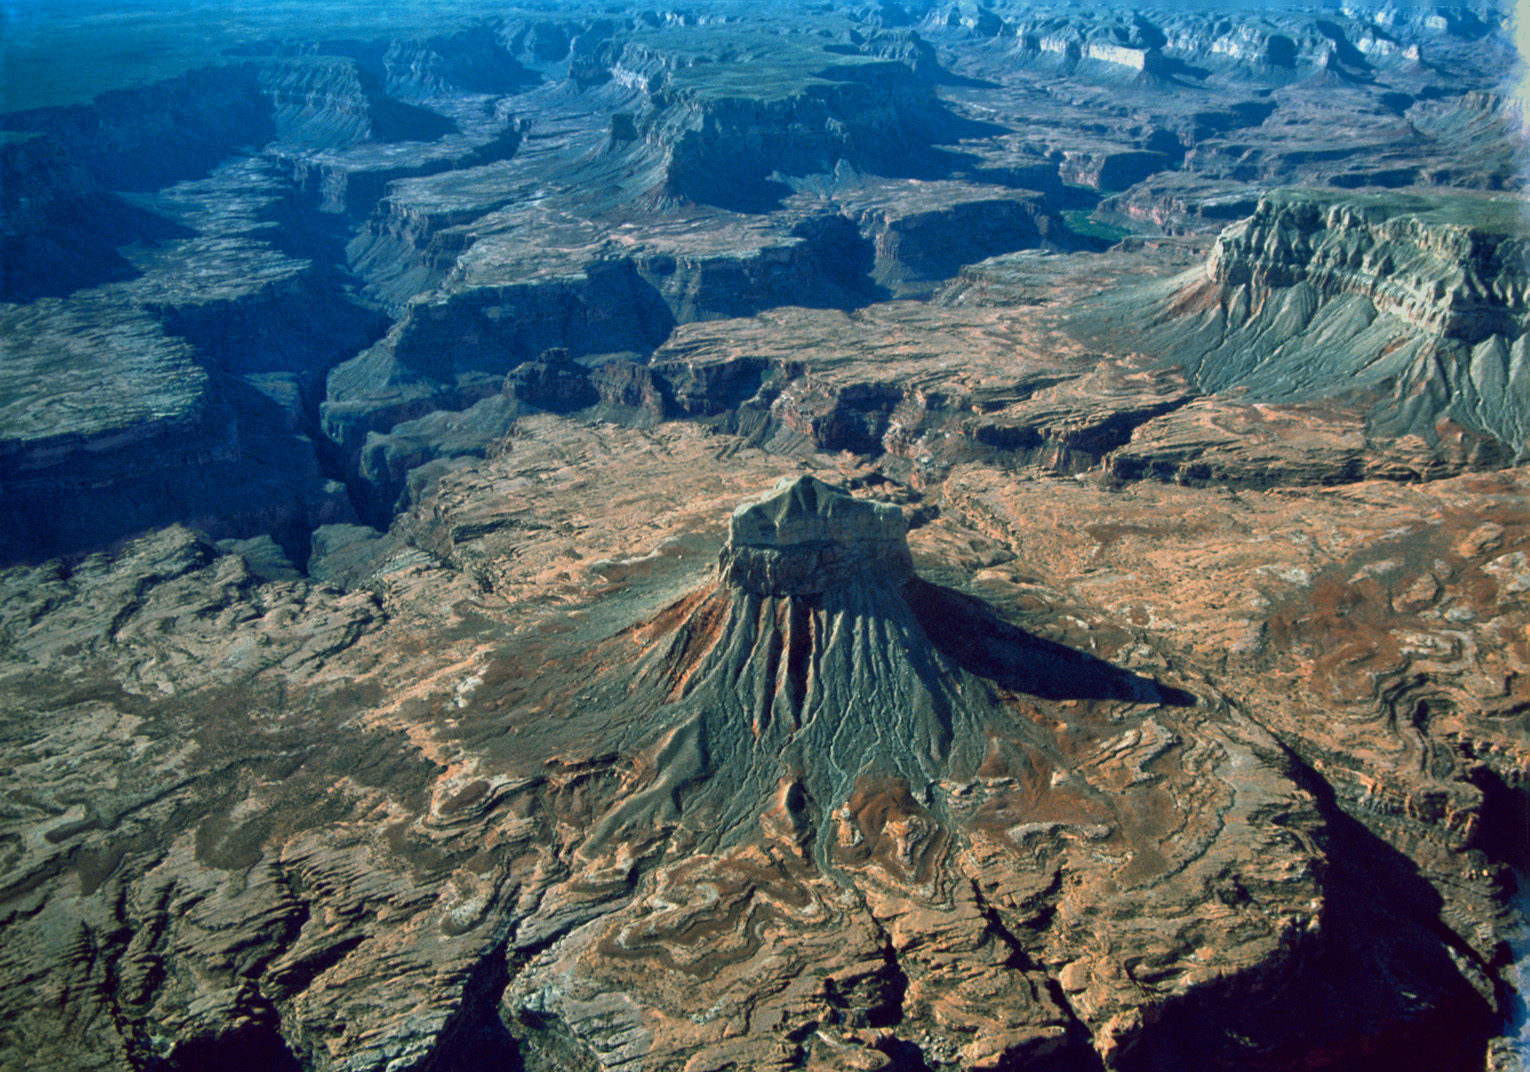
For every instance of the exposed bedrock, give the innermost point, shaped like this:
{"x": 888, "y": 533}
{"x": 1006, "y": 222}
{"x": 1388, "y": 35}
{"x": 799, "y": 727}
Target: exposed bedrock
{"x": 918, "y": 247}
{"x": 64, "y": 219}
{"x": 722, "y": 149}
{"x": 230, "y": 464}
{"x": 325, "y": 102}
{"x": 656, "y": 814}
{"x": 60, "y": 229}
{"x": 186, "y": 393}
{"x": 831, "y": 722}
{"x": 146, "y": 139}
{"x": 797, "y": 380}
{"x": 1062, "y": 424}
{"x": 1454, "y": 267}
{"x": 764, "y": 382}
{"x": 1180, "y": 201}
{"x": 403, "y": 248}
{"x": 1190, "y": 43}
{"x": 819, "y": 657}
{"x": 808, "y": 538}
{"x": 1489, "y": 132}
{"x": 355, "y": 182}
{"x": 1111, "y": 170}
{"x": 926, "y": 758}
{"x": 454, "y": 351}
{"x": 478, "y": 59}
{"x": 822, "y": 262}
{"x": 449, "y": 354}
{"x": 395, "y": 466}
{"x": 293, "y": 329}
{"x": 1408, "y": 306}
{"x": 346, "y": 92}
{"x": 309, "y": 107}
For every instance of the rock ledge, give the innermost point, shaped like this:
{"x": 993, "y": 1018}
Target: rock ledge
{"x": 806, "y": 537}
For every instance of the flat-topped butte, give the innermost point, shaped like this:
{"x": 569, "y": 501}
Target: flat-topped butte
{"x": 807, "y": 537}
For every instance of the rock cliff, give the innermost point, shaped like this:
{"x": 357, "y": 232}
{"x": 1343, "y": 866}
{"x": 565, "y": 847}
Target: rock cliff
{"x": 1127, "y": 671}
{"x": 1415, "y": 304}
{"x": 806, "y": 538}
{"x": 848, "y": 816}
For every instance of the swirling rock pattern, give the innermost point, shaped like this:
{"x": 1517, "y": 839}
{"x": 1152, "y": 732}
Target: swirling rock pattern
{"x": 1127, "y": 671}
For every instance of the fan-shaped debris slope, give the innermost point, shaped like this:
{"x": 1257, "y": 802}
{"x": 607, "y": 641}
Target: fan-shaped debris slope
{"x": 1411, "y": 307}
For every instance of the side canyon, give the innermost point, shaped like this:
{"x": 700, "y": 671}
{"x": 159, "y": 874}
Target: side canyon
{"x": 898, "y": 535}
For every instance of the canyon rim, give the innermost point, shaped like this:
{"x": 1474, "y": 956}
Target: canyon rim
{"x": 896, "y": 535}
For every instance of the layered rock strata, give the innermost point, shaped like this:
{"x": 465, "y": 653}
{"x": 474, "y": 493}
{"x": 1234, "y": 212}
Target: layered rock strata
{"x": 569, "y": 763}
{"x": 470, "y": 193}
{"x": 539, "y": 799}
{"x": 806, "y": 538}
{"x": 1410, "y": 306}
{"x": 829, "y": 714}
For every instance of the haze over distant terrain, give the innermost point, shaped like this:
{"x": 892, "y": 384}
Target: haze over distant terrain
{"x": 895, "y": 535}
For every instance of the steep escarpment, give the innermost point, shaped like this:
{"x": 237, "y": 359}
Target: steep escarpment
{"x": 200, "y": 223}
{"x": 454, "y": 351}
{"x": 404, "y": 247}
{"x": 1348, "y": 45}
{"x": 479, "y": 58}
{"x": 1412, "y": 306}
{"x": 66, "y": 169}
{"x": 873, "y": 115}
{"x": 1454, "y": 267}
{"x": 731, "y": 539}
{"x": 145, "y": 139}
{"x": 182, "y": 392}
{"x": 61, "y": 229}
{"x": 587, "y": 183}
{"x": 922, "y": 241}
{"x": 328, "y": 101}
{"x": 433, "y": 359}
{"x": 823, "y": 712}
{"x": 725, "y": 129}
{"x": 596, "y": 766}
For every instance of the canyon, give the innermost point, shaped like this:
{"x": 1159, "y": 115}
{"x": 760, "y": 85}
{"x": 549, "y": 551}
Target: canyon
{"x": 909, "y": 536}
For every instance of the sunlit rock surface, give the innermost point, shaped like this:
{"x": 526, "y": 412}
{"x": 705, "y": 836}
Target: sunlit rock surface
{"x": 805, "y": 539}
{"x": 900, "y": 536}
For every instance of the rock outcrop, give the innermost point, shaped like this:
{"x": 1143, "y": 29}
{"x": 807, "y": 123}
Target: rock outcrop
{"x": 806, "y": 538}
{"x": 1450, "y": 266}
{"x": 1112, "y": 634}
{"x": 1417, "y": 304}
{"x": 470, "y": 194}
{"x": 538, "y": 799}
{"x": 823, "y": 712}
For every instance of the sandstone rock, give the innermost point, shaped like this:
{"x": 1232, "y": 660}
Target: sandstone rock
{"x": 1128, "y": 696}
{"x": 1408, "y": 306}
{"x": 806, "y": 537}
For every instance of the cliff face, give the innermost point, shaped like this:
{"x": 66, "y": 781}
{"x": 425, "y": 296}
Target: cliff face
{"x": 1463, "y": 279}
{"x": 60, "y": 229}
{"x": 1417, "y": 304}
{"x": 1131, "y": 44}
{"x": 824, "y": 261}
{"x": 990, "y": 738}
{"x": 158, "y": 235}
{"x": 876, "y": 116}
{"x": 918, "y": 248}
{"x": 145, "y": 139}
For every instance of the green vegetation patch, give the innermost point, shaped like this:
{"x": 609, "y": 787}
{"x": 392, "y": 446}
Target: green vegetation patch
{"x": 1081, "y": 221}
